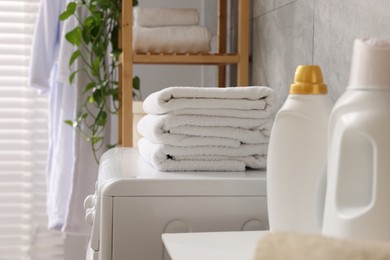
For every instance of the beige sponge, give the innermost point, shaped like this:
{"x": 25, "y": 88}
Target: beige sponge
{"x": 295, "y": 246}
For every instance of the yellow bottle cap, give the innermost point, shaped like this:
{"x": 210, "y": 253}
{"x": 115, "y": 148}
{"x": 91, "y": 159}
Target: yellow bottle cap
{"x": 308, "y": 80}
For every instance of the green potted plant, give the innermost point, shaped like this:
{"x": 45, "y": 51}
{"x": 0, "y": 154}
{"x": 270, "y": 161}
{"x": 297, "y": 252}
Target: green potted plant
{"x": 93, "y": 37}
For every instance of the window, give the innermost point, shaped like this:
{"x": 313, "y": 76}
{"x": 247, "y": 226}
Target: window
{"x": 23, "y": 143}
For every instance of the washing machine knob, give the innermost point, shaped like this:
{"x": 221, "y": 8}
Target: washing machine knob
{"x": 90, "y": 216}
{"x": 89, "y": 202}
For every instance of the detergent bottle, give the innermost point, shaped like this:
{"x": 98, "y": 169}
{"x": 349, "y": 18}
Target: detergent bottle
{"x": 296, "y": 165}
{"x": 358, "y": 187}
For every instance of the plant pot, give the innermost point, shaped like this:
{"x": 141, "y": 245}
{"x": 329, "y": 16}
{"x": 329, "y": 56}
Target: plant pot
{"x": 138, "y": 113}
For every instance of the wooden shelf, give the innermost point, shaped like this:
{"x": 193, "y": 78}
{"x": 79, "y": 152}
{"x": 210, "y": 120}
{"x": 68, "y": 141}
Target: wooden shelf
{"x": 221, "y": 59}
{"x": 185, "y": 58}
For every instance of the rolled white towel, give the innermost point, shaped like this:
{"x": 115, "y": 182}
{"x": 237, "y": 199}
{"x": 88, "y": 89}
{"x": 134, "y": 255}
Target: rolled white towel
{"x": 192, "y": 130}
{"x": 242, "y": 98}
{"x": 157, "y": 17}
{"x": 172, "y": 39}
{"x": 206, "y": 158}
{"x": 295, "y": 246}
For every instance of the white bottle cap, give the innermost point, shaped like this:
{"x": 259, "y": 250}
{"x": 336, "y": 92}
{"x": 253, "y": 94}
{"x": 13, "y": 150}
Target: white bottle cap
{"x": 370, "y": 64}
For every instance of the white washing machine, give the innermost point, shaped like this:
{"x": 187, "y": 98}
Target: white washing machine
{"x": 134, "y": 204}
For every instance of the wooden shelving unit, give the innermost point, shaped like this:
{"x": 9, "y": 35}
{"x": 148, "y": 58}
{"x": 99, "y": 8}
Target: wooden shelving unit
{"x": 207, "y": 59}
{"x": 220, "y": 59}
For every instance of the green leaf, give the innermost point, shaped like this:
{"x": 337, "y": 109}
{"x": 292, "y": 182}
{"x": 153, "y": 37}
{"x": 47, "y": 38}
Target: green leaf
{"x": 71, "y": 7}
{"x": 99, "y": 49}
{"x": 89, "y": 21}
{"x": 91, "y": 7}
{"x": 135, "y": 2}
{"x": 65, "y": 15}
{"x": 96, "y": 139}
{"x": 74, "y": 36}
{"x": 115, "y": 53}
{"x": 102, "y": 118}
{"x": 97, "y": 96}
{"x": 89, "y": 24}
{"x": 136, "y": 83}
{"x": 88, "y": 87}
{"x": 115, "y": 38}
{"x": 69, "y": 122}
{"x": 104, "y": 4}
{"x": 70, "y": 10}
{"x": 72, "y": 76}
{"x": 115, "y": 96}
{"x": 74, "y": 56}
{"x": 81, "y": 116}
{"x": 86, "y": 34}
{"x": 114, "y": 92}
{"x": 91, "y": 99}
{"x": 110, "y": 146}
{"x": 96, "y": 66}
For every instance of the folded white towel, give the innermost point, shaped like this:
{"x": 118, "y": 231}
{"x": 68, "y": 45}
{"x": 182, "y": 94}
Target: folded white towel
{"x": 172, "y": 39}
{"x": 192, "y": 130}
{"x": 294, "y": 246}
{"x": 243, "y": 135}
{"x": 202, "y": 158}
{"x": 155, "y": 17}
{"x": 169, "y": 121}
{"x": 237, "y": 113}
{"x": 188, "y": 141}
{"x": 175, "y": 98}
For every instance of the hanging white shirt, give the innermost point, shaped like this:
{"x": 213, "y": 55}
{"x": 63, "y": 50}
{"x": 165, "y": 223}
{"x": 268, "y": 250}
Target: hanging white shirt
{"x": 84, "y": 168}
{"x": 43, "y": 70}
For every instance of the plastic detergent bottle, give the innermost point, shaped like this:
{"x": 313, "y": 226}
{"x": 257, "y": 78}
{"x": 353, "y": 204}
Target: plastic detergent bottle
{"x": 296, "y": 166}
{"x": 358, "y": 191}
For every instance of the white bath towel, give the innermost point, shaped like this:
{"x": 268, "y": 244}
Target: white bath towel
{"x": 192, "y": 130}
{"x": 294, "y": 246}
{"x": 169, "y": 121}
{"x": 188, "y": 141}
{"x": 156, "y": 17}
{"x": 205, "y": 158}
{"x": 243, "y": 135}
{"x": 172, "y": 39}
{"x": 237, "y": 113}
{"x": 176, "y": 98}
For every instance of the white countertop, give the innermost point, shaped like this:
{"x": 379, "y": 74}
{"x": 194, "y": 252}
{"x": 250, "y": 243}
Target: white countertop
{"x": 213, "y": 245}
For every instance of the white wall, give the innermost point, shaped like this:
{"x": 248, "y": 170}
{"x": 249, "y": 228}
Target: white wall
{"x": 288, "y": 33}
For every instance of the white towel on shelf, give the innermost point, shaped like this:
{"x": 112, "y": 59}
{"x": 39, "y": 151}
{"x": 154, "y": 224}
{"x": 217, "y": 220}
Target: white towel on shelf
{"x": 176, "y": 98}
{"x": 172, "y": 39}
{"x": 156, "y": 17}
{"x": 206, "y": 158}
{"x": 195, "y": 130}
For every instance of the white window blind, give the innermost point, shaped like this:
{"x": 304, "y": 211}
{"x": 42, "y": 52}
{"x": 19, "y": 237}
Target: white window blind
{"x": 23, "y": 143}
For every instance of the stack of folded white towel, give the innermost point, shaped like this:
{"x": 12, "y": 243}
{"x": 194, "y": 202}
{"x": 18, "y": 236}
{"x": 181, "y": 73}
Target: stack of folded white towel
{"x": 169, "y": 30}
{"x": 207, "y": 129}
